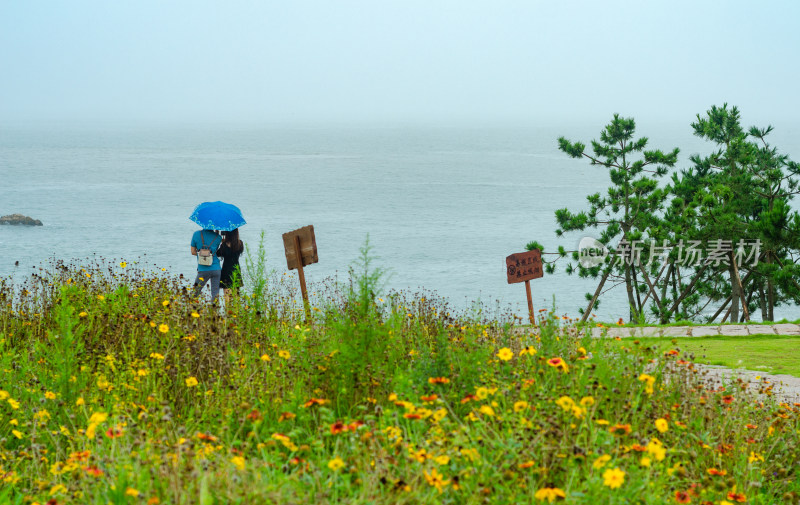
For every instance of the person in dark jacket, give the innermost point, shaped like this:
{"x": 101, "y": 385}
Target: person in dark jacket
{"x": 229, "y": 252}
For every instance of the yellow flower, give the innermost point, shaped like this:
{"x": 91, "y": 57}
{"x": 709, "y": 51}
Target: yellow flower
{"x": 163, "y": 328}
{"x": 284, "y": 354}
{"x": 439, "y": 415}
{"x": 58, "y": 488}
{"x": 601, "y": 461}
{"x": 50, "y": 395}
{"x": 505, "y": 354}
{"x": 264, "y": 357}
{"x": 83, "y": 314}
{"x": 442, "y": 460}
{"x": 238, "y": 462}
{"x": 613, "y": 478}
{"x": 661, "y": 425}
{"x": 191, "y": 382}
{"x": 165, "y": 303}
{"x": 481, "y": 393}
{"x": 649, "y": 380}
{"x": 79, "y": 402}
{"x": 754, "y": 456}
{"x": 155, "y": 355}
{"x": 436, "y": 479}
{"x": 195, "y": 314}
{"x": 16, "y": 433}
{"x": 587, "y": 401}
{"x": 487, "y": 410}
{"x": 550, "y": 494}
{"x": 131, "y": 492}
{"x": 95, "y": 420}
{"x": 656, "y": 449}
{"x": 565, "y": 402}
{"x": 123, "y": 264}
{"x": 645, "y": 461}
{"x": 336, "y": 464}
{"x": 520, "y": 406}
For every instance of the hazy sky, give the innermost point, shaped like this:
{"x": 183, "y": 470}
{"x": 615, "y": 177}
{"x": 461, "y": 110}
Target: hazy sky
{"x": 395, "y": 61}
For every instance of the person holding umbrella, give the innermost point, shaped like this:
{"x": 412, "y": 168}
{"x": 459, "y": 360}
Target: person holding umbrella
{"x": 211, "y": 216}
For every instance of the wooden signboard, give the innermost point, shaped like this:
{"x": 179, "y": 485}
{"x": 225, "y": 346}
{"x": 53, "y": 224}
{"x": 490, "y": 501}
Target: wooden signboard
{"x": 308, "y": 246}
{"x": 522, "y": 267}
{"x": 301, "y": 250}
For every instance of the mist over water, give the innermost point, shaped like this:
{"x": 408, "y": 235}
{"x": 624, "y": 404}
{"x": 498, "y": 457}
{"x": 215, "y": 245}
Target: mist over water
{"x": 443, "y": 206}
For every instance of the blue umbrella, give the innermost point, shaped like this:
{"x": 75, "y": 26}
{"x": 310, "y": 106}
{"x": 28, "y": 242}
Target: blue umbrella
{"x": 218, "y": 216}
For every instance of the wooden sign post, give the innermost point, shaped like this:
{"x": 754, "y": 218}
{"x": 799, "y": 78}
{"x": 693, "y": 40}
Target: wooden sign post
{"x": 522, "y": 267}
{"x": 300, "y": 247}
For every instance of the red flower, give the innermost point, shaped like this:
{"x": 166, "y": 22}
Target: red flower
{"x": 93, "y": 471}
{"x": 412, "y": 416}
{"x": 728, "y": 399}
{"x": 737, "y": 497}
{"x": 682, "y": 497}
{"x": 338, "y": 427}
{"x": 429, "y": 398}
{"x": 114, "y": 433}
{"x": 468, "y": 398}
{"x": 254, "y": 415}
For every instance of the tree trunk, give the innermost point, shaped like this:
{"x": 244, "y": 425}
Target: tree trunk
{"x": 740, "y": 288}
{"x": 762, "y": 301}
{"x": 629, "y": 288}
{"x": 639, "y": 308}
{"x": 734, "y": 311}
{"x": 596, "y": 294}
{"x": 770, "y": 293}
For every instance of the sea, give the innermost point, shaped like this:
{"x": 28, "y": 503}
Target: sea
{"x": 441, "y": 205}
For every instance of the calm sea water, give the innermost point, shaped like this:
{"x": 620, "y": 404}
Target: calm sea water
{"x": 443, "y": 206}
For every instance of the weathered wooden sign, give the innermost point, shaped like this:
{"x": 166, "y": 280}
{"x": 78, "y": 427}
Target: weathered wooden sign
{"x": 301, "y": 249}
{"x": 307, "y": 246}
{"x": 522, "y": 267}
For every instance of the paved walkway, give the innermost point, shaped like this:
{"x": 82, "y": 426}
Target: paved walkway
{"x": 785, "y": 388}
{"x": 698, "y": 331}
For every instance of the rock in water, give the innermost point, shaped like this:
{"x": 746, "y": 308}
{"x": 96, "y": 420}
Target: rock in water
{"x": 19, "y": 219}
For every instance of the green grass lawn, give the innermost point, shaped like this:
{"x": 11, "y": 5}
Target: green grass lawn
{"x": 767, "y": 353}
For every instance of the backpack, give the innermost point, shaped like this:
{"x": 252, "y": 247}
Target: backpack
{"x": 205, "y": 257}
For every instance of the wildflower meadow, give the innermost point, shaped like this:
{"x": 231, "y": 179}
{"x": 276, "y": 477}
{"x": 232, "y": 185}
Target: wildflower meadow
{"x": 119, "y": 387}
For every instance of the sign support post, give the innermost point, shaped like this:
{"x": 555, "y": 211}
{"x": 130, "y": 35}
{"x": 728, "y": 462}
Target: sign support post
{"x": 302, "y": 276}
{"x": 522, "y": 267}
{"x": 530, "y": 302}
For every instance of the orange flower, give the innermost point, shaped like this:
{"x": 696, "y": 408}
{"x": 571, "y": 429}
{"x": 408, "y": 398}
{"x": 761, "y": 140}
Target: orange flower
{"x": 254, "y": 415}
{"x": 673, "y": 352}
{"x": 207, "y": 437}
{"x": 714, "y": 471}
{"x": 620, "y": 322}
{"x": 468, "y": 398}
{"x": 412, "y": 416}
{"x": 438, "y": 380}
{"x": 93, "y": 471}
{"x": 429, "y": 398}
{"x": 558, "y": 363}
{"x": 315, "y": 401}
{"x": 727, "y": 399}
{"x": 737, "y": 497}
{"x": 114, "y": 433}
{"x": 338, "y": 427}
{"x": 286, "y": 416}
{"x": 624, "y": 429}
{"x": 682, "y": 497}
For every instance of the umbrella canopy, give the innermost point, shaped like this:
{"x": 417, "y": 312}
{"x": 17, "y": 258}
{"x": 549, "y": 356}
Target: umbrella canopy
{"x": 218, "y": 216}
